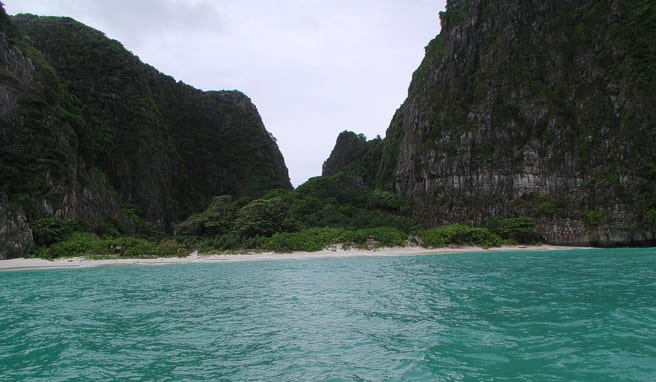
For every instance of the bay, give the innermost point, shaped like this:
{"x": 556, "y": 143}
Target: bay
{"x": 585, "y": 315}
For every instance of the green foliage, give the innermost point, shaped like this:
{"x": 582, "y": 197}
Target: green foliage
{"x": 226, "y": 241}
{"x": 330, "y": 235}
{"x": 311, "y": 239}
{"x": 337, "y": 202}
{"x": 354, "y": 155}
{"x": 344, "y": 201}
{"x": 595, "y": 218}
{"x": 91, "y": 106}
{"x": 126, "y": 246}
{"x": 382, "y": 236}
{"x": 297, "y": 241}
{"x": 112, "y": 228}
{"x": 143, "y": 228}
{"x": 316, "y": 239}
{"x": 216, "y": 219}
{"x": 537, "y": 205}
{"x": 87, "y": 244}
{"x": 455, "y": 15}
{"x": 639, "y": 33}
{"x": 97, "y": 98}
{"x": 650, "y": 217}
{"x": 390, "y": 151}
{"x": 520, "y": 229}
{"x": 7, "y": 25}
{"x": 77, "y": 244}
{"x": 457, "y": 234}
{"x": 35, "y": 138}
{"x": 262, "y": 217}
{"x": 49, "y": 231}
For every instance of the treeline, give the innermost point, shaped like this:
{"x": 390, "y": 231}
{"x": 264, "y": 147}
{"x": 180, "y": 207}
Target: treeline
{"x": 322, "y": 211}
{"x": 327, "y": 211}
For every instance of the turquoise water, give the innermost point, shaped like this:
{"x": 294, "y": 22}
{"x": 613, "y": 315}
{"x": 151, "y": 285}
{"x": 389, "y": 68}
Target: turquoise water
{"x": 583, "y": 315}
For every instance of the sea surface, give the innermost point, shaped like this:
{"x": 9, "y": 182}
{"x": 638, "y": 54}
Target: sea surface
{"x": 580, "y": 315}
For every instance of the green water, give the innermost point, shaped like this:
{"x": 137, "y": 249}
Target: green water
{"x": 583, "y": 315}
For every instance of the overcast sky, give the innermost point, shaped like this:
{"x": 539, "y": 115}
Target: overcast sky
{"x": 313, "y": 68}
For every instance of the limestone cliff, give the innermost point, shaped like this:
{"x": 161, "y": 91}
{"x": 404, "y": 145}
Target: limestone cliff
{"x": 87, "y": 129}
{"x": 537, "y": 108}
{"x": 354, "y": 154}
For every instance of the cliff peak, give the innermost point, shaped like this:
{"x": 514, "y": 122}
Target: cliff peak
{"x": 92, "y": 134}
{"x": 543, "y": 109}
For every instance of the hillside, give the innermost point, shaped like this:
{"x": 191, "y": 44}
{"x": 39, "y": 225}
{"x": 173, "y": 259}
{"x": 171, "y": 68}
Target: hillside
{"x": 356, "y": 155}
{"x": 540, "y": 109}
{"x": 90, "y": 133}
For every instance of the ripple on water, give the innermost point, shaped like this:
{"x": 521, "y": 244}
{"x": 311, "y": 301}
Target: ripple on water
{"x": 561, "y": 315}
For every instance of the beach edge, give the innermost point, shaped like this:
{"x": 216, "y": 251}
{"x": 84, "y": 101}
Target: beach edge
{"x": 19, "y": 264}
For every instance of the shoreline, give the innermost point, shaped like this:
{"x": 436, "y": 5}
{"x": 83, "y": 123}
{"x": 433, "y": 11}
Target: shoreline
{"x": 22, "y": 264}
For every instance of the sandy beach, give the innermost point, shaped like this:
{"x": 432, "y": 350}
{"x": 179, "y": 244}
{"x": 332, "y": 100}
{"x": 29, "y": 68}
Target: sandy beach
{"x": 194, "y": 257}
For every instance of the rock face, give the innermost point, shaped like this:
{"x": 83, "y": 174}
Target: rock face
{"x": 15, "y": 233}
{"x": 536, "y": 108}
{"x": 87, "y": 129}
{"x": 355, "y": 155}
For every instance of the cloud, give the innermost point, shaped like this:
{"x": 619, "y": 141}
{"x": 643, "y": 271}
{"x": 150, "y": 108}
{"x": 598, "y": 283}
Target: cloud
{"x": 138, "y": 21}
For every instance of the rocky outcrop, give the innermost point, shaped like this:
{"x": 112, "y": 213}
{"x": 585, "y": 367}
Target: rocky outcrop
{"x": 355, "y": 155}
{"x": 163, "y": 145}
{"x": 533, "y": 108}
{"x": 89, "y": 132}
{"x": 15, "y": 232}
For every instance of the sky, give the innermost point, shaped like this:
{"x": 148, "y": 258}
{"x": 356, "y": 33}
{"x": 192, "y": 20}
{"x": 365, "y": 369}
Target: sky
{"x": 313, "y": 68}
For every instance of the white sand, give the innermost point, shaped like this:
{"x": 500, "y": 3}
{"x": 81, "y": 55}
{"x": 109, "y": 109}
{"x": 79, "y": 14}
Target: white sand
{"x": 86, "y": 262}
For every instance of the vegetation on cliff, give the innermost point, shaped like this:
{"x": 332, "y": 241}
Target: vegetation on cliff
{"x": 356, "y": 155}
{"x": 332, "y": 210}
{"x": 105, "y": 153}
{"x": 526, "y": 121}
{"x": 329, "y": 211}
{"x": 539, "y": 109}
{"x": 324, "y": 210}
{"x": 163, "y": 145}
{"x": 91, "y": 134}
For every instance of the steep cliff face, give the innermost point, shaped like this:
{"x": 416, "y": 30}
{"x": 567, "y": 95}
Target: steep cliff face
{"x": 15, "y": 232}
{"x": 534, "y": 108}
{"x": 87, "y": 128}
{"x": 355, "y": 155}
{"x": 164, "y": 146}
{"x": 41, "y": 171}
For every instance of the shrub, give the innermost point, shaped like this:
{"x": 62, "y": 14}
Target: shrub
{"x": 112, "y": 228}
{"x": 48, "y": 231}
{"x": 143, "y": 228}
{"x": 78, "y": 244}
{"x": 595, "y": 218}
{"x": 262, "y": 217}
{"x": 482, "y": 237}
{"x": 84, "y": 243}
{"x": 171, "y": 247}
{"x": 442, "y": 236}
{"x": 297, "y": 241}
{"x": 458, "y": 234}
{"x": 650, "y": 217}
{"x": 130, "y": 247}
{"x": 520, "y": 229}
{"x": 216, "y": 219}
{"x": 253, "y": 242}
{"x": 227, "y": 241}
{"x": 329, "y": 235}
{"x": 383, "y": 236}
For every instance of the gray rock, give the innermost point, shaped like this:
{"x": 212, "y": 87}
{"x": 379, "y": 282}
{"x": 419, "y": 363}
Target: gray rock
{"x": 15, "y": 233}
{"x": 537, "y": 108}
